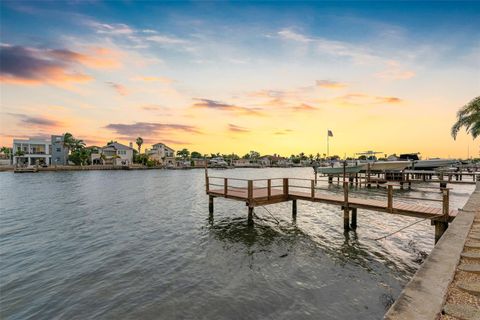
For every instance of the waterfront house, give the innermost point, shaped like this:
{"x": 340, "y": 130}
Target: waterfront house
{"x": 31, "y": 152}
{"x": 114, "y": 154}
{"x": 162, "y": 153}
{"x": 59, "y": 152}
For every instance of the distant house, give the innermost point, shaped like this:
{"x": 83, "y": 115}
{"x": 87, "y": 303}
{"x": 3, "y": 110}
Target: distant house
{"x": 273, "y": 161}
{"x": 59, "y": 152}
{"x": 31, "y": 152}
{"x": 113, "y": 153}
{"x": 162, "y": 153}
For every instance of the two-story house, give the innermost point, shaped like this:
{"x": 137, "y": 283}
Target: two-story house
{"x": 113, "y": 153}
{"x": 31, "y": 152}
{"x": 162, "y": 153}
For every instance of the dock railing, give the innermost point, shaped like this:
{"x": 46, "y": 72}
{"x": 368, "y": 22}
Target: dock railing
{"x": 285, "y": 187}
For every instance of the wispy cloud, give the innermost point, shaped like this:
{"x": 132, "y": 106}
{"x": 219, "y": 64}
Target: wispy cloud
{"x": 395, "y": 71}
{"x": 237, "y": 129}
{"x": 289, "y": 34}
{"x": 163, "y": 80}
{"x": 119, "y": 88}
{"x": 36, "y": 121}
{"x": 165, "y": 40}
{"x": 283, "y": 132}
{"x": 149, "y": 129}
{"x": 304, "y": 107}
{"x": 217, "y": 105}
{"x": 362, "y": 99}
{"x": 329, "y": 84}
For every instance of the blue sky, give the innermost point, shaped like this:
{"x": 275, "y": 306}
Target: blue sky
{"x": 283, "y": 71}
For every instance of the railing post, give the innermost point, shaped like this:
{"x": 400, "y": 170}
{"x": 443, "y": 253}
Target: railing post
{"x": 446, "y": 204}
{"x": 269, "y": 188}
{"x": 390, "y": 198}
{"x": 207, "y": 182}
{"x": 285, "y": 187}
{"x": 225, "y": 186}
{"x": 250, "y": 191}
{"x": 346, "y": 215}
{"x": 312, "y": 189}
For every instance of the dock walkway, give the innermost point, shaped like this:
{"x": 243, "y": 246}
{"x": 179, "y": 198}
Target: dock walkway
{"x": 260, "y": 192}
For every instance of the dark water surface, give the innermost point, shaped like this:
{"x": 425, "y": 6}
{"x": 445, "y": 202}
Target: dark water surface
{"x": 140, "y": 245}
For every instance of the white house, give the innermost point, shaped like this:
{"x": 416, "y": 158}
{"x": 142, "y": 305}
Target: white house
{"x": 113, "y": 153}
{"x": 162, "y": 153}
{"x": 32, "y": 151}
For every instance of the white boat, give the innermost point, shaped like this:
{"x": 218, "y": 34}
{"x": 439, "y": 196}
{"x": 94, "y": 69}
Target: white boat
{"x": 387, "y": 165}
{"x": 432, "y": 163}
{"x": 339, "y": 169}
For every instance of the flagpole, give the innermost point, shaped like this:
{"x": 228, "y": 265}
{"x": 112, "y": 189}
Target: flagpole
{"x": 327, "y": 144}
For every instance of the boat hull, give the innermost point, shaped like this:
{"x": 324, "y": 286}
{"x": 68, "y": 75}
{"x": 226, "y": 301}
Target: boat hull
{"x": 340, "y": 170}
{"x": 387, "y": 165}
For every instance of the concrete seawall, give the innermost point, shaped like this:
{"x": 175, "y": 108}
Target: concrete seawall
{"x": 425, "y": 295}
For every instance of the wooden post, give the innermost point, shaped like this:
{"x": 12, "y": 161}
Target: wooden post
{"x": 312, "y": 189}
{"x": 330, "y": 179}
{"x": 210, "y": 204}
{"x": 294, "y": 209}
{"x": 368, "y": 174}
{"x": 250, "y": 216}
{"x": 354, "y": 218}
{"x": 440, "y": 228}
{"x": 269, "y": 188}
{"x": 346, "y": 219}
{"x": 285, "y": 187}
{"x": 207, "y": 184}
{"x": 446, "y": 204}
{"x": 250, "y": 192}
{"x": 225, "y": 186}
{"x": 390, "y": 198}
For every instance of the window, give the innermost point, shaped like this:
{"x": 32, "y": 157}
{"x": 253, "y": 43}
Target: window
{"x": 59, "y": 150}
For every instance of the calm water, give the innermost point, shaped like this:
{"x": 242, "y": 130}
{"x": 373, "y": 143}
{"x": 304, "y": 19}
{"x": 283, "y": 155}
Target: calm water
{"x": 140, "y": 245}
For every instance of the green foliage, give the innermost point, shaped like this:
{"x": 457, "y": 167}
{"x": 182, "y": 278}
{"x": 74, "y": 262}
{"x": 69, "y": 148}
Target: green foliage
{"x": 196, "y": 155}
{"x": 139, "y": 142}
{"x": 141, "y": 159}
{"x": 80, "y": 156}
{"x": 184, "y": 153}
{"x": 469, "y": 117}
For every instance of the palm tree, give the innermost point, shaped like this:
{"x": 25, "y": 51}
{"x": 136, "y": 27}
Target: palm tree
{"x": 469, "y": 117}
{"x": 139, "y": 144}
{"x": 68, "y": 141}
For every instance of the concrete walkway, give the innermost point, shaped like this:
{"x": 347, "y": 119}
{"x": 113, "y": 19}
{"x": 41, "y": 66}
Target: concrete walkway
{"x": 444, "y": 287}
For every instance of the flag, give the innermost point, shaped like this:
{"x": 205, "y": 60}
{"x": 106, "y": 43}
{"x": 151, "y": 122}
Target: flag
{"x": 330, "y": 133}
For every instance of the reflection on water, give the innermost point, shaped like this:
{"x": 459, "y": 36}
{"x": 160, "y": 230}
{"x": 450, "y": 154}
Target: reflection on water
{"x": 141, "y": 245}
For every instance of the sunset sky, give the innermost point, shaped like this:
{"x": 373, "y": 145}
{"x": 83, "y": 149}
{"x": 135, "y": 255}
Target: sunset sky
{"x": 240, "y": 76}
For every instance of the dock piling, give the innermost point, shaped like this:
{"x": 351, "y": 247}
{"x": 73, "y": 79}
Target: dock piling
{"x": 294, "y": 209}
{"x": 250, "y": 216}
{"x": 354, "y": 218}
{"x": 210, "y": 204}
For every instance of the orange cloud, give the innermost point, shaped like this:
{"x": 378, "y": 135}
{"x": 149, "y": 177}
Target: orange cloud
{"x": 304, "y": 107}
{"x": 163, "y": 80}
{"x": 395, "y": 71}
{"x": 329, "y": 84}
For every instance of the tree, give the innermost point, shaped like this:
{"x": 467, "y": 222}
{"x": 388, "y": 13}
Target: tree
{"x": 184, "y": 153}
{"x": 195, "y": 154}
{"x": 254, "y": 155}
{"x": 6, "y": 151}
{"x": 68, "y": 141}
{"x": 469, "y": 117}
{"x": 139, "y": 144}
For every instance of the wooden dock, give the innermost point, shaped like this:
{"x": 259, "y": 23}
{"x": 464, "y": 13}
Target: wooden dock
{"x": 260, "y": 192}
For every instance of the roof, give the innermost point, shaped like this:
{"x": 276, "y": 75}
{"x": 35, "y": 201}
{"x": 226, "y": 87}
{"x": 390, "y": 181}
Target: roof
{"x": 118, "y": 146}
{"x": 162, "y": 144}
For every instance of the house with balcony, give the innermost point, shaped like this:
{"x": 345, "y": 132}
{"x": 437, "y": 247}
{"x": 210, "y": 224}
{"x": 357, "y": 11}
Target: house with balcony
{"x": 30, "y": 152}
{"x": 162, "y": 154}
{"x": 114, "y": 153}
{"x": 59, "y": 152}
